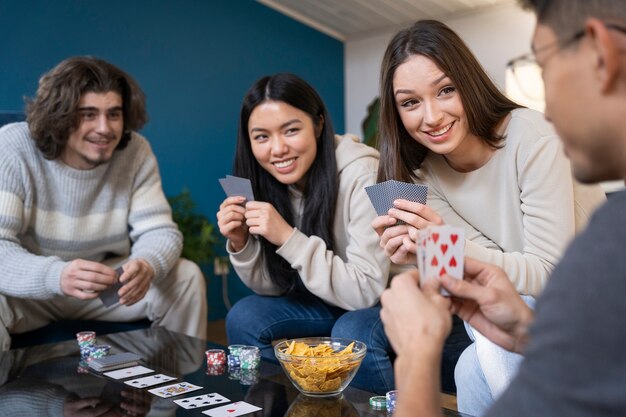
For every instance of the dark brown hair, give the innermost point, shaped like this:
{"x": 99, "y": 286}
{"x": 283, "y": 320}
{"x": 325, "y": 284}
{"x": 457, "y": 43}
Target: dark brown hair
{"x": 53, "y": 114}
{"x": 484, "y": 105}
{"x": 566, "y": 17}
{"x": 321, "y": 188}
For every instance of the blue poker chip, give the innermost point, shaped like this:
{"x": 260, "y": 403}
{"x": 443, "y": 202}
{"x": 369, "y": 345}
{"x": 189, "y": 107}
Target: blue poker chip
{"x": 391, "y": 401}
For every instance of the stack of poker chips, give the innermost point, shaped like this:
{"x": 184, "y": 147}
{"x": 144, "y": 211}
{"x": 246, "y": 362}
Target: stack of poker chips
{"x": 86, "y": 340}
{"x": 243, "y": 363}
{"x": 250, "y": 357}
{"x": 391, "y": 401}
{"x": 215, "y": 361}
{"x": 99, "y": 351}
{"x": 233, "y": 358}
{"x": 378, "y": 402}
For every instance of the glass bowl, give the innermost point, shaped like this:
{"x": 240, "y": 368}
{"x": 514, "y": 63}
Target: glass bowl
{"x": 320, "y": 366}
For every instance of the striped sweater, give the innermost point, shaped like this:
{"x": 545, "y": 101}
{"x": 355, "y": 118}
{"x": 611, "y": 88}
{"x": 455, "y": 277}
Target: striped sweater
{"x": 51, "y": 214}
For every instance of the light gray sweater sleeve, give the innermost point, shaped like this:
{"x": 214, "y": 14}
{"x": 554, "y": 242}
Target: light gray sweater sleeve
{"x": 154, "y": 235}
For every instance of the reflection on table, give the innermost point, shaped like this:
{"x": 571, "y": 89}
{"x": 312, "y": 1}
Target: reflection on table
{"x": 48, "y": 380}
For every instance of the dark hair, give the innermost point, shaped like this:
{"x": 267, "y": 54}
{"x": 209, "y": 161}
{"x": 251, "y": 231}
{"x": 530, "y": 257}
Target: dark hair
{"x": 320, "y": 190}
{"x": 566, "y": 17}
{"x": 53, "y": 114}
{"x": 484, "y": 105}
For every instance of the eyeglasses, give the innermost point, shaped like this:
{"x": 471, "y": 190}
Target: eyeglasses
{"x": 527, "y": 72}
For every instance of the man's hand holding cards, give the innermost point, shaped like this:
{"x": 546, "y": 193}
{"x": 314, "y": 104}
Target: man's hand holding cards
{"x": 440, "y": 251}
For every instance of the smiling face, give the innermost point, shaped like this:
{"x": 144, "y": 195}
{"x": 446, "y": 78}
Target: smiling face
{"x": 99, "y": 131}
{"x": 283, "y": 141}
{"x": 431, "y": 110}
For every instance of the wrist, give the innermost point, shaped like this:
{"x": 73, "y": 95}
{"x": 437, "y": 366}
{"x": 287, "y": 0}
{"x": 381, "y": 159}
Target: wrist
{"x": 522, "y": 335}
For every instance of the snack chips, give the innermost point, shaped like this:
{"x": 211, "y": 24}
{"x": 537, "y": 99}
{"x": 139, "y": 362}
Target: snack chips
{"x": 319, "y": 368}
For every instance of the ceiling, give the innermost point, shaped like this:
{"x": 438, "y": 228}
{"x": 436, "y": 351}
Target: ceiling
{"x": 354, "y": 19}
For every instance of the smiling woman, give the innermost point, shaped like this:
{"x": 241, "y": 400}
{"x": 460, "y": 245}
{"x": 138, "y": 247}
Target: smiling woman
{"x": 305, "y": 246}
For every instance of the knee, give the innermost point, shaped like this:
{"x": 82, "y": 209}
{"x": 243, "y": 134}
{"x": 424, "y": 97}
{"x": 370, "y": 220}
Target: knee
{"x": 190, "y": 273}
{"x": 466, "y": 367}
{"x": 364, "y": 325}
{"x": 242, "y": 320}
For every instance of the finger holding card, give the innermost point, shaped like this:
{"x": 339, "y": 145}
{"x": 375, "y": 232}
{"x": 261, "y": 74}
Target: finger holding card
{"x": 381, "y": 223}
{"x": 231, "y": 221}
{"x": 417, "y": 215}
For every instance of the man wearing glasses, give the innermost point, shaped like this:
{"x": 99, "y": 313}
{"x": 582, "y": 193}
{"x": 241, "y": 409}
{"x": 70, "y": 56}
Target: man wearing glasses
{"x": 574, "y": 363}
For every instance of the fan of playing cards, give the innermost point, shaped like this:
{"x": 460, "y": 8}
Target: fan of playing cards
{"x": 236, "y": 186}
{"x": 382, "y": 195}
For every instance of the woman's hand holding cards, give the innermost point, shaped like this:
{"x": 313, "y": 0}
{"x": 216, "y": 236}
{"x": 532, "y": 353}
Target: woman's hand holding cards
{"x": 231, "y": 222}
{"x": 263, "y": 219}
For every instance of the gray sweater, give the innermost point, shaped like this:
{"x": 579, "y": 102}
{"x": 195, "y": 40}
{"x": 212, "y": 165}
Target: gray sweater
{"x": 575, "y": 364}
{"x": 51, "y": 214}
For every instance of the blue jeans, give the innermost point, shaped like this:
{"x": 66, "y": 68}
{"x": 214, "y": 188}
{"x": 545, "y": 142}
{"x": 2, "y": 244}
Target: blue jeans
{"x": 376, "y": 371}
{"x": 484, "y": 371}
{"x": 257, "y": 320}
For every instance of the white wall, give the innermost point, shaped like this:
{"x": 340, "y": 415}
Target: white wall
{"x": 494, "y": 35}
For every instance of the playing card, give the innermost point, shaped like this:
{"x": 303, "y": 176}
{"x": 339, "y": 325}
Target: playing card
{"x": 148, "y": 381}
{"x": 382, "y": 195}
{"x": 443, "y": 253}
{"x": 128, "y": 372}
{"x": 236, "y": 186}
{"x": 202, "y": 401}
{"x": 110, "y": 296}
{"x": 174, "y": 389}
{"x": 231, "y": 410}
{"x": 422, "y": 237}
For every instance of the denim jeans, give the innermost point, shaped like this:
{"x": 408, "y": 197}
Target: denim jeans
{"x": 257, "y": 320}
{"x": 376, "y": 371}
{"x": 484, "y": 371}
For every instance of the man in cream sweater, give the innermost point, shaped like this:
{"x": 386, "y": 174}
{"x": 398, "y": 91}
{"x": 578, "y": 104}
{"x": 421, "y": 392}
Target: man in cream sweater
{"x": 81, "y": 195}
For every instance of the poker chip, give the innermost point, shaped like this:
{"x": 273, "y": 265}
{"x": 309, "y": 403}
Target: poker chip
{"x": 99, "y": 351}
{"x": 215, "y": 370}
{"x": 233, "y": 361}
{"x": 235, "y": 350}
{"x": 250, "y": 357}
{"x": 234, "y": 373}
{"x": 391, "y": 401}
{"x": 215, "y": 357}
{"x": 378, "y": 402}
{"x": 86, "y": 340}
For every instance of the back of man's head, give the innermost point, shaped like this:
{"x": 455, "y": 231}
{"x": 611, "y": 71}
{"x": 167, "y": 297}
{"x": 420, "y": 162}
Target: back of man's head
{"x": 566, "y": 17}
{"x": 53, "y": 114}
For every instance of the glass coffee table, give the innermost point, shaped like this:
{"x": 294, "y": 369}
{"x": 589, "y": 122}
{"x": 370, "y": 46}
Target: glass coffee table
{"x": 48, "y": 380}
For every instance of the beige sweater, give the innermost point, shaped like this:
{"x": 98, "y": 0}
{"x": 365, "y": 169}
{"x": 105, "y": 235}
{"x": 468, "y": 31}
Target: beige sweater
{"x": 355, "y": 273}
{"x": 522, "y": 208}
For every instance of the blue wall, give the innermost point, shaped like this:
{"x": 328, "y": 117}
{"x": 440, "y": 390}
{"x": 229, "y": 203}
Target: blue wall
{"x": 195, "y": 59}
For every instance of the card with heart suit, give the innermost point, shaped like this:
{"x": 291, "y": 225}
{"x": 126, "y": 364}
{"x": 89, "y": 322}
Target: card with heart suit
{"x": 231, "y": 410}
{"x": 128, "y": 372}
{"x": 149, "y": 381}
{"x": 174, "y": 389}
{"x": 440, "y": 251}
{"x": 110, "y": 296}
{"x": 382, "y": 195}
{"x": 236, "y": 186}
{"x": 202, "y": 401}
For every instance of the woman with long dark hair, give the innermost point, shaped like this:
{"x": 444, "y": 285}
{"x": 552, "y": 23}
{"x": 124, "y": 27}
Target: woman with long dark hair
{"x": 305, "y": 245}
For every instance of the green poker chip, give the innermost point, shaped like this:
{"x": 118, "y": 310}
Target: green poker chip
{"x": 378, "y": 402}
